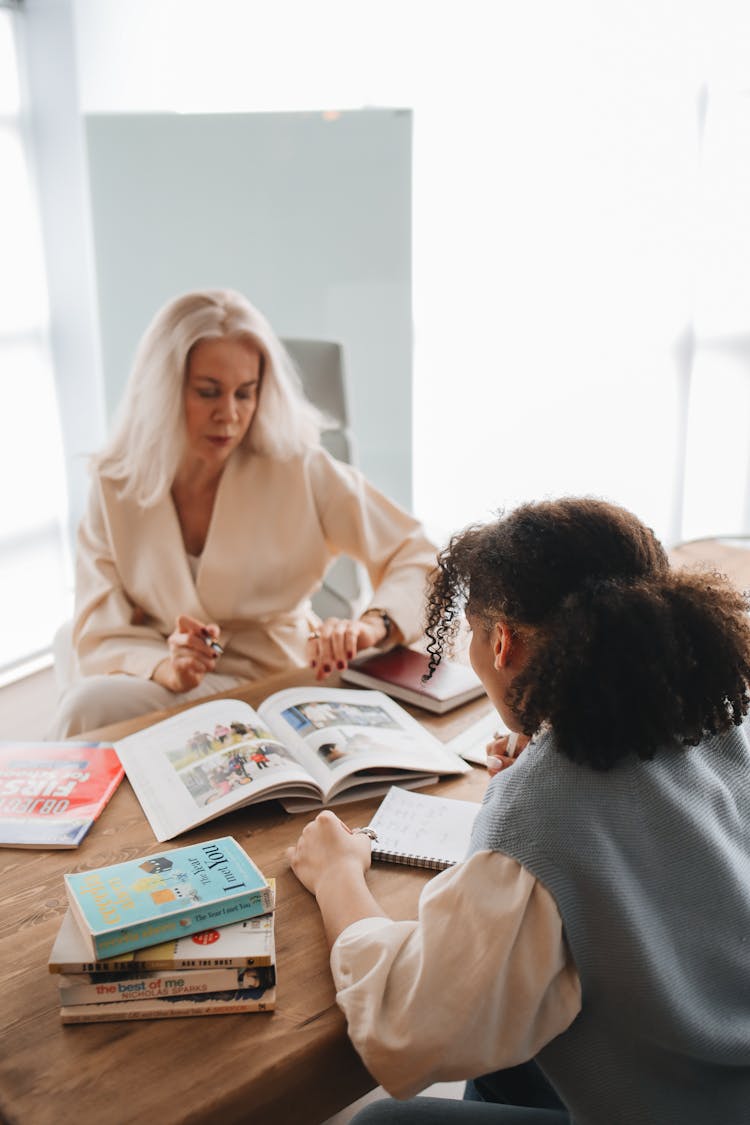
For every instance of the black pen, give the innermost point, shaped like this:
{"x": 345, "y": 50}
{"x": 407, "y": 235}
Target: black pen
{"x": 212, "y": 643}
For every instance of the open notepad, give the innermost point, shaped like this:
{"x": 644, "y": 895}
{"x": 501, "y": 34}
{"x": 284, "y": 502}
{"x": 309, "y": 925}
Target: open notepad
{"x": 422, "y": 831}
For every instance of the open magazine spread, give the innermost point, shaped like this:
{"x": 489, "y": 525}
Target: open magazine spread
{"x": 306, "y": 747}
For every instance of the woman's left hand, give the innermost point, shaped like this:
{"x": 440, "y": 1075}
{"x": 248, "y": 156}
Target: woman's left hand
{"x": 336, "y": 640}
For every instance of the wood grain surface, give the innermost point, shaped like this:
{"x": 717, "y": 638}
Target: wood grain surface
{"x": 294, "y": 1065}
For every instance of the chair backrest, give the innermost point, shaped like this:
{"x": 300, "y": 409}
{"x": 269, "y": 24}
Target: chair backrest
{"x": 322, "y": 368}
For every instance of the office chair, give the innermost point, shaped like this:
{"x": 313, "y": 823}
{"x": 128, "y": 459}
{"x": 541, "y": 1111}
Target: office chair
{"x": 321, "y": 367}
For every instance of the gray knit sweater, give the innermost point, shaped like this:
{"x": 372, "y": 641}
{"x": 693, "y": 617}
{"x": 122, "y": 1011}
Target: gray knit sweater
{"x": 649, "y": 865}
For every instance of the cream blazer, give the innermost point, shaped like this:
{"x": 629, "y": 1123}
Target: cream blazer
{"x": 275, "y": 528}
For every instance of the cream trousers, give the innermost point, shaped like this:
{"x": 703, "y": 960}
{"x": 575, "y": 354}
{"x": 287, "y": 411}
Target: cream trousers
{"x": 97, "y": 701}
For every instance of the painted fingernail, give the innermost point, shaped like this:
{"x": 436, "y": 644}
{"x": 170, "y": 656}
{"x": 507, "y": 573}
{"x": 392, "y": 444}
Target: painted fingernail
{"x": 315, "y": 664}
{"x": 326, "y": 667}
{"x": 350, "y": 656}
{"x": 340, "y": 664}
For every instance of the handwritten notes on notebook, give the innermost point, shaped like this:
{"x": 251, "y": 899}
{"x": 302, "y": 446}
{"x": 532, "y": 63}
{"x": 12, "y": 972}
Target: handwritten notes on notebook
{"x": 422, "y": 831}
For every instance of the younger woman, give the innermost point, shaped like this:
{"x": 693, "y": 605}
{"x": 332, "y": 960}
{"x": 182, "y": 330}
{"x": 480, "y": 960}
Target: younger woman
{"x": 600, "y": 924}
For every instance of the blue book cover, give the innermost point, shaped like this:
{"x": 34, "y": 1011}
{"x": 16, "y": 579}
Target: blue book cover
{"x": 167, "y": 895}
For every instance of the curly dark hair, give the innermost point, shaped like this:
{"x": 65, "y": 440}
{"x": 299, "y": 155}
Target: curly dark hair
{"x": 626, "y": 655}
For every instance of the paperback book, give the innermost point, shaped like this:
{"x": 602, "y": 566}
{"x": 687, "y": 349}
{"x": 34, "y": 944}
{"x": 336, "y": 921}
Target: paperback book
{"x": 116, "y": 988}
{"x": 216, "y": 972}
{"x": 307, "y": 747}
{"x": 159, "y": 897}
{"x": 399, "y": 673}
{"x": 240, "y": 945}
{"x": 52, "y": 792}
{"x": 261, "y": 999}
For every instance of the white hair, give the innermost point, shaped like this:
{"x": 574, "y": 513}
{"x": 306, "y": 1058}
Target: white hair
{"x": 149, "y": 436}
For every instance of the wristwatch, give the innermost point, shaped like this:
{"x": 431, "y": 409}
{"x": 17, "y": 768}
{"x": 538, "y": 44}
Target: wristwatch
{"x": 384, "y": 617}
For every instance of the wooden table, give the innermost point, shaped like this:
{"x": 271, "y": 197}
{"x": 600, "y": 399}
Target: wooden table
{"x": 293, "y": 1065}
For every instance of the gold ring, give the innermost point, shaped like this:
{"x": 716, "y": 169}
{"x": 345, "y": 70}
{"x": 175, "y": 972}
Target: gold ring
{"x": 314, "y": 636}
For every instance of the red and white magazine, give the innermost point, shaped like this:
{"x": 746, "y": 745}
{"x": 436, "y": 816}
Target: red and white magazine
{"x": 52, "y": 792}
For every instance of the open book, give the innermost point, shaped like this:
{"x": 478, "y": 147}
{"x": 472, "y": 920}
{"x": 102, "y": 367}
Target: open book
{"x": 306, "y": 746}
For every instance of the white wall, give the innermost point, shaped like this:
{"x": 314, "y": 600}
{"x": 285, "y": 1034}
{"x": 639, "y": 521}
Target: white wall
{"x": 556, "y": 208}
{"x": 308, "y": 214}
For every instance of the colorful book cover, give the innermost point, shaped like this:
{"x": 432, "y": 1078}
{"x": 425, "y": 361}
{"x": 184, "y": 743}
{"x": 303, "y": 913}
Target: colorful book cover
{"x": 52, "y": 792}
{"x": 166, "y": 895}
{"x": 114, "y": 988}
{"x": 208, "y": 1004}
{"x": 240, "y": 945}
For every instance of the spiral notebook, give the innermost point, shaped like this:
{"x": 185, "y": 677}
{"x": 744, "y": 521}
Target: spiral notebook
{"x": 422, "y": 831}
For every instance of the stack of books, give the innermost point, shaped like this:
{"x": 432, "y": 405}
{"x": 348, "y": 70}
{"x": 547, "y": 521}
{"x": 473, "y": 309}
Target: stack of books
{"x": 185, "y": 932}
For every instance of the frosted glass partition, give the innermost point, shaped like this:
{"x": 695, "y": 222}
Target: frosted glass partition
{"x": 308, "y": 214}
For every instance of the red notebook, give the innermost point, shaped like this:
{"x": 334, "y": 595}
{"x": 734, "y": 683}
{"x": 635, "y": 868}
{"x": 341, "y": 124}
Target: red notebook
{"x": 52, "y": 792}
{"x": 399, "y": 672}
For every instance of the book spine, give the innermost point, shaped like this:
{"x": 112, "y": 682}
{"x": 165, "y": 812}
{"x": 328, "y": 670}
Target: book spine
{"x": 157, "y": 985}
{"x": 220, "y": 962}
{"x": 164, "y": 1009}
{"x": 192, "y": 920}
{"x": 112, "y": 965}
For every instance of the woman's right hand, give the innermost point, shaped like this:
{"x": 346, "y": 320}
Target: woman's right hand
{"x": 502, "y": 752}
{"x": 190, "y": 655}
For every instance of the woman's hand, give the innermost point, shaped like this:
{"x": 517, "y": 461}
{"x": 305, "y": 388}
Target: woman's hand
{"x": 336, "y": 640}
{"x": 331, "y": 860}
{"x": 503, "y": 751}
{"x": 328, "y": 851}
{"x": 191, "y": 655}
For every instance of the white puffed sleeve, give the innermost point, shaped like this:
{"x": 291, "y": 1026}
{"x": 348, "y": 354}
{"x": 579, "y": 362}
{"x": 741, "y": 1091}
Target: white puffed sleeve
{"x": 481, "y": 981}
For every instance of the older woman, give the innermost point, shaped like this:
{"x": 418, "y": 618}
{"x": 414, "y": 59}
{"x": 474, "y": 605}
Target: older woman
{"x": 214, "y": 513}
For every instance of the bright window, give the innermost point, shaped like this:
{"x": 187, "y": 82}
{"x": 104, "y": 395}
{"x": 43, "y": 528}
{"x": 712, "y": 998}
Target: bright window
{"x": 34, "y": 595}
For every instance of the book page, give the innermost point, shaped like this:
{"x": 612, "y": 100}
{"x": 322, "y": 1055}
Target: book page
{"x": 423, "y": 827}
{"x": 204, "y": 761}
{"x": 471, "y": 744}
{"x": 344, "y": 737}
